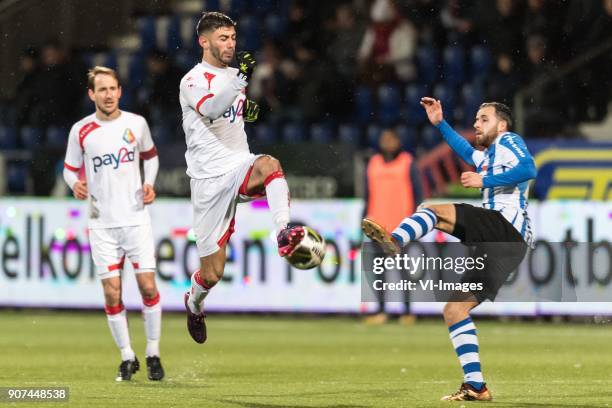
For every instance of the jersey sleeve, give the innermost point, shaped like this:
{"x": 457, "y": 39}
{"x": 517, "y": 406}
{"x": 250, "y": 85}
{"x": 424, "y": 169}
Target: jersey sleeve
{"x": 459, "y": 145}
{"x": 518, "y": 158}
{"x": 74, "y": 152}
{"x": 146, "y": 147}
{"x": 213, "y": 102}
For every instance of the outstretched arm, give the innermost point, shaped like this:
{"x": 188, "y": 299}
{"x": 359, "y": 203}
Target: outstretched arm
{"x": 433, "y": 108}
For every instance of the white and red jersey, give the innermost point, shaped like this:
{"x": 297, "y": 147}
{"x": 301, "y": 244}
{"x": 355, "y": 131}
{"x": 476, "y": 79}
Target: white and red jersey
{"x": 212, "y": 100}
{"x": 111, "y": 151}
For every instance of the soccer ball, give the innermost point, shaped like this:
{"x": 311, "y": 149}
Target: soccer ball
{"x": 310, "y": 252}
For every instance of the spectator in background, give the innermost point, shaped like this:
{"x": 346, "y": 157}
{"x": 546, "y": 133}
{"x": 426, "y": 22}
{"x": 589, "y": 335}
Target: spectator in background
{"x": 458, "y": 18}
{"x": 501, "y": 27}
{"x": 388, "y": 46}
{"x": 545, "y": 114}
{"x": 425, "y": 14}
{"x": 504, "y": 81}
{"x": 393, "y": 189}
{"x": 345, "y": 40}
{"x": 158, "y": 99}
{"x": 20, "y": 107}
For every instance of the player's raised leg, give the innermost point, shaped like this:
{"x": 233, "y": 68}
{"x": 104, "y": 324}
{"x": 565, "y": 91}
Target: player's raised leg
{"x": 462, "y": 332}
{"x": 425, "y": 219}
{"x": 152, "y": 314}
{"x": 268, "y": 175}
{"x": 117, "y": 322}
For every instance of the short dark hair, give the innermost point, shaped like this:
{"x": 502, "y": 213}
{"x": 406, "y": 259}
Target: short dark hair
{"x": 502, "y": 111}
{"x": 211, "y": 20}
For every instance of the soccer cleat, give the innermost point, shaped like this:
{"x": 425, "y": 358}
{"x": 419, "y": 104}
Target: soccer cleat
{"x": 468, "y": 393}
{"x": 155, "y": 371}
{"x": 377, "y": 319}
{"x": 378, "y": 234}
{"x": 289, "y": 238}
{"x": 126, "y": 369}
{"x": 195, "y": 323}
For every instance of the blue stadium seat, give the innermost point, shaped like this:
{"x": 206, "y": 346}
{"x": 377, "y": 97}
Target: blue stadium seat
{"x": 472, "y": 95}
{"x": 409, "y": 136}
{"x": 275, "y": 25}
{"x": 32, "y": 137}
{"x": 174, "y": 39}
{"x": 446, "y": 95}
{"x": 389, "y": 104}
{"x": 430, "y": 137}
{"x": 412, "y": 111}
{"x": 57, "y": 137}
{"x": 293, "y": 133}
{"x": 161, "y": 134}
{"x": 148, "y": 35}
{"x": 137, "y": 69}
{"x": 454, "y": 65}
{"x": 249, "y": 33}
{"x": 349, "y": 133}
{"x": 372, "y": 135}
{"x": 321, "y": 133}
{"x": 185, "y": 60}
{"x": 8, "y": 137}
{"x": 16, "y": 177}
{"x": 239, "y": 7}
{"x": 480, "y": 62}
{"x": 364, "y": 106}
{"x": 429, "y": 65}
{"x": 266, "y": 134}
{"x": 211, "y": 5}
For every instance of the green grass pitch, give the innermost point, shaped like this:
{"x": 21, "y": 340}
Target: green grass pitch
{"x": 269, "y": 362}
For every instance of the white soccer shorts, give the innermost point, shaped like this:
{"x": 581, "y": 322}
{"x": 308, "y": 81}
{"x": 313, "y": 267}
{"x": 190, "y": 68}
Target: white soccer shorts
{"x": 110, "y": 247}
{"x": 214, "y": 203}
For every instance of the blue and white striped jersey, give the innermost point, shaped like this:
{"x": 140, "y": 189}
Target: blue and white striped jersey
{"x": 506, "y": 166}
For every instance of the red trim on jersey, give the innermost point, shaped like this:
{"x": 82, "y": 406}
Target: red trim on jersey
{"x": 85, "y": 130}
{"x": 272, "y": 176}
{"x": 113, "y": 310}
{"x": 69, "y": 167}
{"x": 135, "y": 265}
{"x": 198, "y": 279}
{"x": 151, "y": 302}
{"x": 204, "y": 98}
{"x": 227, "y": 234}
{"x": 149, "y": 154}
{"x": 243, "y": 187}
{"x": 209, "y": 77}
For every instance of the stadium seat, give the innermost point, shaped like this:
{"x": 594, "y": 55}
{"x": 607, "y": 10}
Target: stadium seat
{"x": 480, "y": 62}
{"x": 388, "y": 104}
{"x": 249, "y": 33}
{"x": 148, "y": 36}
{"x": 430, "y": 137}
{"x": 412, "y": 111}
{"x": 372, "y": 135}
{"x": 57, "y": 137}
{"x": 275, "y": 25}
{"x": 409, "y": 137}
{"x": 446, "y": 95}
{"x": 350, "y": 134}
{"x": 454, "y": 65}
{"x": 364, "y": 106}
{"x": 174, "y": 39}
{"x": 8, "y": 137}
{"x": 293, "y": 133}
{"x": 429, "y": 64}
{"x": 212, "y": 5}
{"x": 31, "y": 137}
{"x": 161, "y": 134}
{"x": 265, "y": 134}
{"x": 472, "y": 96}
{"x": 239, "y": 7}
{"x": 321, "y": 133}
{"x": 16, "y": 177}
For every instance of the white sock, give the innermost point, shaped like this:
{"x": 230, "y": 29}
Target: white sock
{"x": 277, "y": 193}
{"x": 117, "y": 321}
{"x": 199, "y": 291}
{"x": 151, "y": 312}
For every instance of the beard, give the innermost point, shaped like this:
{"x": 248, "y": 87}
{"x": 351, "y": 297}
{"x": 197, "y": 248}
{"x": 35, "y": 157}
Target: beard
{"x": 216, "y": 53}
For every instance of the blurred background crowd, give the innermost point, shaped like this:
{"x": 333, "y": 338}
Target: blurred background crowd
{"x": 329, "y": 73}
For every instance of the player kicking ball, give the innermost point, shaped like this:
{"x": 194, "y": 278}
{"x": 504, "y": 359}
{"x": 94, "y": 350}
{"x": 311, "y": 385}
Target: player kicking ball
{"x": 222, "y": 169}
{"x": 110, "y": 144}
{"x": 504, "y": 169}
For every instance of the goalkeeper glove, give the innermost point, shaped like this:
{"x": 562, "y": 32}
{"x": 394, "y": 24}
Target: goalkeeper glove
{"x": 246, "y": 64}
{"x": 251, "y": 111}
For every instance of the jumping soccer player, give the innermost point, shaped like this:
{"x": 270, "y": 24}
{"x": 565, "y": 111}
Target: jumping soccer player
{"x": 110, "y": 144}
{"x": 504, "y": 169}
{"x": 223, "y": 171}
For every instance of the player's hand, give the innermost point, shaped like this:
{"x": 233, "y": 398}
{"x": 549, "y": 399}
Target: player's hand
{"x": 246, "y": 64}
{"x": 471, "y": 179}
{"x": 148, "y": 194}
{"x": 433, "y": 108}
{"x": 79, "y": 190}
{"x": 251, "y": 111}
